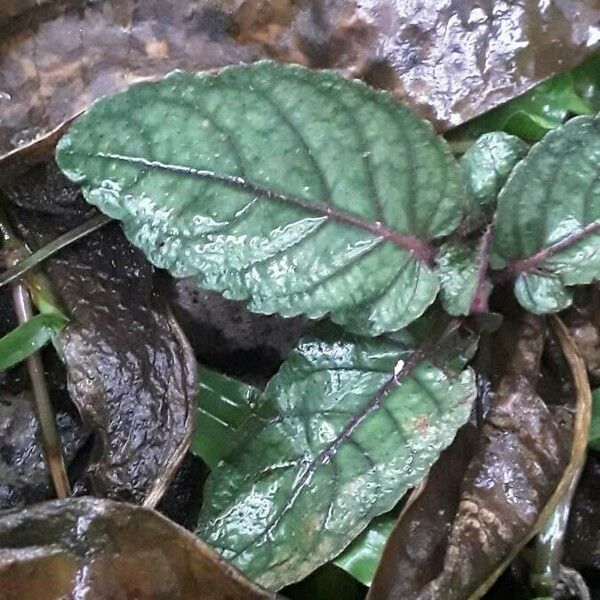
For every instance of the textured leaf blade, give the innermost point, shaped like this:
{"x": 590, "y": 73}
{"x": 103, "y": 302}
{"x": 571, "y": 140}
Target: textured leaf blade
{"x": 29, "y": 337}
{"x": 548, "y": 218}
{"x": 350, "y": 438}
{"x": 297, "y": 190}
{"x": 487, "y": 164}
{"x": 458, "y": 270}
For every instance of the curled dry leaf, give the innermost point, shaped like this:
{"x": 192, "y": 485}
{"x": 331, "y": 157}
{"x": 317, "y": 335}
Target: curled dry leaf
{"x": 90, "y": 548}
{"x": 131, "y": 373}
{"x": 451, "y": 61}
{"x": 519, "y": 471}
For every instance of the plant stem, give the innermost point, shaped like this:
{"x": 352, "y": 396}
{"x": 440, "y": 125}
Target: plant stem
{"x": 51, "y": 444}
{"x": 43, "y": 408}
{"x": 21, "y": 267}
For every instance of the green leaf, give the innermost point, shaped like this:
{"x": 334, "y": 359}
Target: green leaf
{"x": 227, "y": 412}
{"x": 587, "y": 82}
{"x": 462, "y": 268}
{"x": 548, "y": 217}
{"x": 458, "y": 271}
{"x": 359, "y": 422}
{"x": 595, "y": 425}
{"x": 227, "y": 408}
{"x": 542, "y": 293}
{"x": 297, "y": 190}
{"x": 29, "y": 337}
{"x": 487, "y": 164}
{"x": 536, "y": 112}
{"x": 362, "y": 556}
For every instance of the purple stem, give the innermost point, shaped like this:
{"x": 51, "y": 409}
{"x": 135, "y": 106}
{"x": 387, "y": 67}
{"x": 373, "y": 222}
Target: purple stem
{"x": 480, "y": 298}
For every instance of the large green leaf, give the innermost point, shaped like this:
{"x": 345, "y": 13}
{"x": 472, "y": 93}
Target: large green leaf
{"x": 548, "y": 217}
{"x": 359, "y": 422}
{"x": 295, "y": 189}
{"x": 29, "y": 337}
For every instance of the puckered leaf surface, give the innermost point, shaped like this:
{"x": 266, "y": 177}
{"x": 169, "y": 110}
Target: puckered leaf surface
{"x": 297, "y": 190}
{"x": 548, "y": 221}
{"x": 359, "y": 422}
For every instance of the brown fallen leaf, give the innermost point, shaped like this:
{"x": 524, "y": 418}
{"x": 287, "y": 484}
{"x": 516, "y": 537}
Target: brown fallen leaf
{"x": 451, "y": 61}
{"x": 131, "y": 372}
{"x": 93, "y": 549}
{"x": 520, "y": 469}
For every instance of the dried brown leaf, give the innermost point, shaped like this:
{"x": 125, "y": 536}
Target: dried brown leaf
{"x": 90, "y": 549}
{"x": 451, "y": 60}
{"x": 131, "y": 372}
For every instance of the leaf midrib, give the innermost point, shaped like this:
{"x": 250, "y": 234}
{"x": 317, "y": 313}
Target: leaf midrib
{"x": 323, "y": 457}
{"x": 421, "y": 250}
{"x": 531, "y": 263}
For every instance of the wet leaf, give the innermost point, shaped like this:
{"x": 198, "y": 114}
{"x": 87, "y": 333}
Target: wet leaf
{"x": 29, "y": 337}
{"x": 227, "y": 412}
{"x": 587, "y": 82}
{"x": 252, "y": 201}
{"x": 470, "y": 521}
{"x": 362, "y": 556}
{"x": 360, "y": 421}
{"x": 458, "y": 272}
{"x": 92, "y": 548}
{"x": 130, "y": 371}
{"x": 415, "y": 548}
{"x": 548, "y": 218}
{"x": 452, "y": 61}
{"x": 487, "y": 164}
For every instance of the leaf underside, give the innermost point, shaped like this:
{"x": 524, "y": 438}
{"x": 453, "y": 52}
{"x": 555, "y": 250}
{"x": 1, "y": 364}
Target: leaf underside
{"x": 297, "y": 190}
{"x": 548, "y": 218}
{"x": 348, "y": 441}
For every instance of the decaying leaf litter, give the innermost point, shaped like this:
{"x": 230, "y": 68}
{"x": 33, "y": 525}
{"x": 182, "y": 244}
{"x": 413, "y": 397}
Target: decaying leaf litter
{"x": 99, "y": 466}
